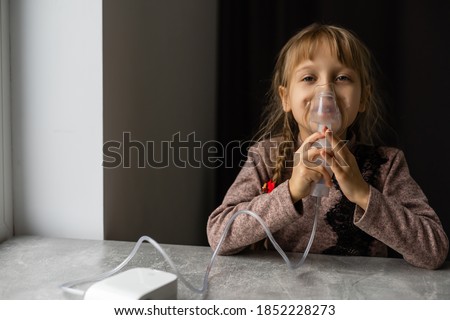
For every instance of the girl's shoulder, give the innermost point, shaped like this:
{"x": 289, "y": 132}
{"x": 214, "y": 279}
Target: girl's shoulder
{"x": 265, "y": 149}
{"x": 379, "y": 158}
{"x": 375, "y": 162}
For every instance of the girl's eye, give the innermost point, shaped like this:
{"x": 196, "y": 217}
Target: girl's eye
{"x": 342, "y": 78}
{"x": 308, "y": 79}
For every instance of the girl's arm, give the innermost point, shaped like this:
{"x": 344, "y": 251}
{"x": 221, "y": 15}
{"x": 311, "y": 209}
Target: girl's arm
{"x": 275, "y": 208}
{"x": 401, "y": 217}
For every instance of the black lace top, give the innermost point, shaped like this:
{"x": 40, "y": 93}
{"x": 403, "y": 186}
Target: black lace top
{"x": 352, "y": 241}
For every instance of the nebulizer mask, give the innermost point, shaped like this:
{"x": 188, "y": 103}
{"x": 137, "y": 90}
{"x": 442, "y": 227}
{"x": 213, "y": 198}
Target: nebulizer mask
{"x": 324, "y": 112}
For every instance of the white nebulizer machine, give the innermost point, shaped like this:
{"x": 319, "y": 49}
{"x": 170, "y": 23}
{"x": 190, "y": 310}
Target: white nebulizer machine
{"x": 146, "y": 283}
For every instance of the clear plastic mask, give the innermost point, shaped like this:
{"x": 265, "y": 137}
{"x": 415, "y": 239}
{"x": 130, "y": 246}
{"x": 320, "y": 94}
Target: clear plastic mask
{"x": 324, "y": 110}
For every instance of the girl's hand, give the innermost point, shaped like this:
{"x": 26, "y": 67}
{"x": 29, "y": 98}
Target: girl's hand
{"x": 306, "y": 172}
{"x": 346, "y": 170}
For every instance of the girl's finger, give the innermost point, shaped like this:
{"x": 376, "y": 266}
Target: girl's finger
{"x": 324, "y": 174}
{"x": 332, "y": 162}
{"x": 309, "y": 141}
{"x": 339, "y": 147}
{"x": 307, "y": 156}
{"x": 314, "y": 137}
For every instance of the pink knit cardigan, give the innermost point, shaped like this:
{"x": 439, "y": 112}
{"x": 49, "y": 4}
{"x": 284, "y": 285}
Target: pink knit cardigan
{"x": 398, "y": 214}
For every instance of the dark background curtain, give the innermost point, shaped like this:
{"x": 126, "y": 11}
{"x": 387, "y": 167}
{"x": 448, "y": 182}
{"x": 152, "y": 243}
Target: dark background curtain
{"x": 410, "y": 43}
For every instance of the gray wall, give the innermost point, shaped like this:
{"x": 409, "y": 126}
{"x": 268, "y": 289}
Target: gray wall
{"x": 6, "y": 197}
{"x": 159, "y": 67}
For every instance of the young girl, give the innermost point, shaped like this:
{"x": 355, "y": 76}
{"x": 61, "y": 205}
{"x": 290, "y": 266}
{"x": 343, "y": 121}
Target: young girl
{"x": 373, "y": 203}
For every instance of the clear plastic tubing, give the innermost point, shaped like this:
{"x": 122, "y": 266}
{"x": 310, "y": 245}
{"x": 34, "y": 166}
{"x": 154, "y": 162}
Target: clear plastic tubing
{"x": 68, "y": 287}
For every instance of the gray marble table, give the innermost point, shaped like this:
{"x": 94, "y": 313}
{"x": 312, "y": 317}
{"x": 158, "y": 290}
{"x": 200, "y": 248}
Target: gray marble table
{"x": 34, "y": 267}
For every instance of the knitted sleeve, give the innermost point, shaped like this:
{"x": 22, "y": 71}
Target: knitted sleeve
{"x": 398, "y": 214}
{"x": 275, "y": 208}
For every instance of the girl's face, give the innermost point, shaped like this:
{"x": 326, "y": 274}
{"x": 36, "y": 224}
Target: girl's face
{"x": 323, "y": 69}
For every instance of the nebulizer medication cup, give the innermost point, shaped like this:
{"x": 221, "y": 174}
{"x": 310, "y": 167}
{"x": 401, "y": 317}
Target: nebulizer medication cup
{"x": 324, "y": 112}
